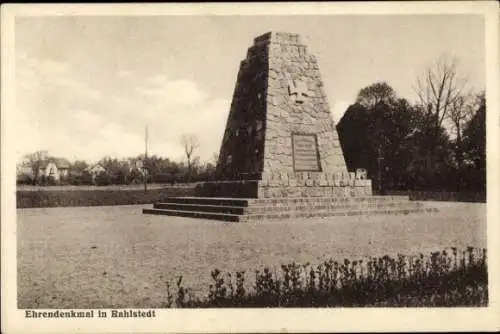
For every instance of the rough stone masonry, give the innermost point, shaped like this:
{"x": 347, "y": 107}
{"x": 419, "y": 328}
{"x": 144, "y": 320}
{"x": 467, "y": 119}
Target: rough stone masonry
{"x": 280, "y": 139}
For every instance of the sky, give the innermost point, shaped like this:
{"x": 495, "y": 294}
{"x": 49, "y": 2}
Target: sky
{"x": 87, "y": 86}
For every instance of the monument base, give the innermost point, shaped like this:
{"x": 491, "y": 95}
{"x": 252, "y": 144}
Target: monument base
{"x": 285, "y": 196}
{"x": 281, "y": 197}
{"x": 256, "y": 209}
{"x": 301, "y": 184}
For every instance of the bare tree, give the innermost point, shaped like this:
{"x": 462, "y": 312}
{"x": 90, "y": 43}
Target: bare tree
{"x": 440, "y": 88}
{"x": 35, "y": 161}
{"x": 190, "y": 143}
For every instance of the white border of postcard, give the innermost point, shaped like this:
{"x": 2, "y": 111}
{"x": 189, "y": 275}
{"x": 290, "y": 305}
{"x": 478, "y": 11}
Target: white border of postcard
{"x": 257, "y": 320}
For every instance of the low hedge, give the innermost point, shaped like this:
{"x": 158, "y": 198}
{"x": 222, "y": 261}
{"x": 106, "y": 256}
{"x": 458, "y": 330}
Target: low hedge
{"x": 67, "y": 198}
{"x": 441, "y": 279}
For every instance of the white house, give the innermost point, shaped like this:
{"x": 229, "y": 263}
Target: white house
{"x": 95, "y": 170}
{"x": 57, "y": 168}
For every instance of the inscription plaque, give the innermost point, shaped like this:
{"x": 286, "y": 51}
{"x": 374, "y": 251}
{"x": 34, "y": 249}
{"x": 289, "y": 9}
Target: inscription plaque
{"x": 305, "y": 153}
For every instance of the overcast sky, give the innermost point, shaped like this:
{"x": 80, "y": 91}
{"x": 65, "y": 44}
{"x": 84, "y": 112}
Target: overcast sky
{"x": 87, "y": 86}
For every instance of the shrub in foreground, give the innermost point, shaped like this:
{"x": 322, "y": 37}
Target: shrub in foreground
{"x": 447, "y": 278}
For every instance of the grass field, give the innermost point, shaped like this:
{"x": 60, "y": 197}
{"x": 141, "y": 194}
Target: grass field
{"x": 117, "y": 257}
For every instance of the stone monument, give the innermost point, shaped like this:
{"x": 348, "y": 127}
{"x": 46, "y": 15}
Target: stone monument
{"x": 279, "y": 119}
{"x": 280, "y": 130}
{"x": 280, "y": 155}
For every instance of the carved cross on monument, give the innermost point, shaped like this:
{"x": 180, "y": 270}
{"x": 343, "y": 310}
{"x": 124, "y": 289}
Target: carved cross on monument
{"x": 298, "y": 90}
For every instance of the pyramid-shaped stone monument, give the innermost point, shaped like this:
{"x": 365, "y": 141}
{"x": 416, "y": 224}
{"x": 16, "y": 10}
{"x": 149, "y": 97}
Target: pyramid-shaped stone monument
{"x": 280, "y": 120}
{"x": 280, "y": 155}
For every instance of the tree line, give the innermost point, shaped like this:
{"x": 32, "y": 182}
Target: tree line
{"x": 131, "y": 170}
{"x": 437, "y": 143}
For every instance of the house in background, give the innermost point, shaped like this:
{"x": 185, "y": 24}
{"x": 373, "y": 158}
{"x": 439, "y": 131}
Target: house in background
{"x": 42, "y": 168}
{"x": 56, "y": 168}
{"x": 95, "y": 170}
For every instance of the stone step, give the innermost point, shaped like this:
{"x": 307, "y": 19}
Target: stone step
{"x": 206, "y": 201}
{"x": 287, "y": 214}
{"x": 194, "y": 214}
{"x": 343, "y": 213}
{"x": 247, "y": 209}
{"x": 236, "y": 210}
{"x": 279, "y": 201}
{"x": 284, "y": 207}
{"x": 254, "y": 209}
{"x": 331, "y": 199}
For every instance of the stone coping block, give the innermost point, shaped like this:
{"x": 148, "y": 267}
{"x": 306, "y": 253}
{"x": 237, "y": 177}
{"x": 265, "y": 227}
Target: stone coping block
{"x": 282, "y": 188}
{"x": 314, "y": 179}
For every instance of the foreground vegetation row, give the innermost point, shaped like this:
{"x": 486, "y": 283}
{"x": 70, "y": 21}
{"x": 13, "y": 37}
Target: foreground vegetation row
{"x": 451, "y": 277}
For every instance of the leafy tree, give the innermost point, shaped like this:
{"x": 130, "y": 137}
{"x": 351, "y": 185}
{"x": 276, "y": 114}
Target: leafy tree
{"x": 121, "y": 174}
{"x": 35, "y": 161}
{"x": 424, "y": 138}
{"x": 475, "y": 135}
{"x": 80, "y": 179}
{"x": 461, "y": 111}
{"x": 79, "y": 166}
{"x": 109, "y": 163}
{"x": 475, "y": 148}
{"x": 392, "y": 140}
{"x": 372, "y": 135}
{"x": 379, "y": 92}
{"x": 116, "y": 170}
{"x": 353, "y": 136}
